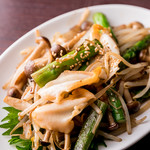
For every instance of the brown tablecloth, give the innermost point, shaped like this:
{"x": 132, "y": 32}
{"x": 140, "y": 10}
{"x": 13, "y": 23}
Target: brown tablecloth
{"x": 20, "y": 16}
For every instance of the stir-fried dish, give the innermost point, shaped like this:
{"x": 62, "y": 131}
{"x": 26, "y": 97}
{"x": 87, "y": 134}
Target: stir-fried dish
{"x": 81, "y": 87}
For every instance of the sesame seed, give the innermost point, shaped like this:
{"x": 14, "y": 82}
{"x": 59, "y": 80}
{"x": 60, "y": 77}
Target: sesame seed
{"x": 113, "y": 100}
{"x": 87, "y": 52}
{"x": 108, "y": 47}
{"x": 96, "y": 49}
{"x": 81, "y": 55}
{"x": 87, "y": 55}
{"x": 87, "y": 48}
{"x": 85, "y": 45}
{"x": 79, "y": 62}
{"x": 54, "y": 66}
{"x": 61, "y": 54}
{"x": 78, "y": 49}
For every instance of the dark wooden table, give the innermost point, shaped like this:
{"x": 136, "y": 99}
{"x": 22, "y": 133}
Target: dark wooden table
{"x": 19, "y": 16}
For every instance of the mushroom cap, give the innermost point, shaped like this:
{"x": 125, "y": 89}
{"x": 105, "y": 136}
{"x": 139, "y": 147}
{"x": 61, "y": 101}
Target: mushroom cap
{"x": 113, "y": 126}
{"x": 133, "y": 106}
{"x": 143, "y": 54}
{"x": 58, "y": 51}
{"x": 29, "y": 68}
{"x": 13, "y": 92}
{"x": 44, "y": 143}
{"x": 43, "y": 38}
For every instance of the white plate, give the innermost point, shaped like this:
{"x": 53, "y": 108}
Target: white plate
{"x": 117, "y": 14}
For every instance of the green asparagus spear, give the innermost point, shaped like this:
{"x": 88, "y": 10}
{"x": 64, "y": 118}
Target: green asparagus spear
{"x": 133, "y": 52}
{"x": 86, "y": 134}
{"x": 100, "y": 18}
{"x": 54, "y": 69}
{"x": 83, "y": 67}
{"x": 116, "y": 108}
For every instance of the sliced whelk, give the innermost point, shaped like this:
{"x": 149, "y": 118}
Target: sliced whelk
{"x": 58, "y": 117}
{"x": 104, "y": 36}
{"x": 16, "y": 103}
{"x": 69, "y": 80}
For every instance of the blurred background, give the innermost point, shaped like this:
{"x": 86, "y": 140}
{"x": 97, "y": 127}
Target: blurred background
{"x": 20, "y": 16}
